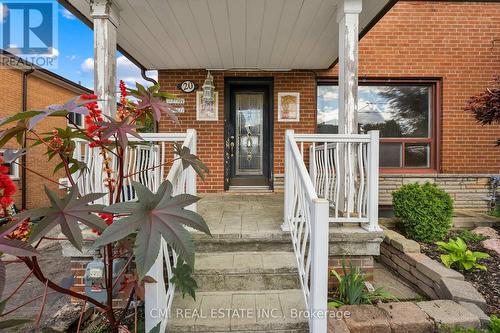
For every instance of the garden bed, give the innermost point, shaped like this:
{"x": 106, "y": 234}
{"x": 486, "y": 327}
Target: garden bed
{"x": 486, "y": 282}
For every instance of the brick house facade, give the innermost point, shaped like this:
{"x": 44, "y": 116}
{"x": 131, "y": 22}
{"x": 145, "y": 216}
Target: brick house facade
{"x": 454, "y": 45}
{"x": 43, "y": 88}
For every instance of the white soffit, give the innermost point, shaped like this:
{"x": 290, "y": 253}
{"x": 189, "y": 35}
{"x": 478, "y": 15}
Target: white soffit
{"x": 232, "y": 34}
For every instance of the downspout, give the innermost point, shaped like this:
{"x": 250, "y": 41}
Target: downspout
{"x": 24, "y": 186}
{"x": 154, "y": 82}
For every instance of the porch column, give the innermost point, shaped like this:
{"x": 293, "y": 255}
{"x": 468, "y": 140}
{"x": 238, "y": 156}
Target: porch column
{"x": 347, "y": 18}
{"x": 105, "y": 17}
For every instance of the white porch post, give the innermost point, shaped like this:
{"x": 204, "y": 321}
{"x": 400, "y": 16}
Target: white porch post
{"x": 288, "y": 183}
{"x": 105, "y": 18}
{"x": 347, "y": 18}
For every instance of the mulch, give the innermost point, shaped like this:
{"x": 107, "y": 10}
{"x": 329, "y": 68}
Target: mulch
{"x": 486, "y": 282}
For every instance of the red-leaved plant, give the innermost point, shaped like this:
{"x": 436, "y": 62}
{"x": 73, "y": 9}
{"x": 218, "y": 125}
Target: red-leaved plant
{"x": 130, "y": 230}
{"x": 486, "y": 105}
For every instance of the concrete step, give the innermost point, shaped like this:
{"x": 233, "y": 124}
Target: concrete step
{"x": 225, "y": 271}
{"x": 253, "y": 311}
{"x": 244, "y": 242}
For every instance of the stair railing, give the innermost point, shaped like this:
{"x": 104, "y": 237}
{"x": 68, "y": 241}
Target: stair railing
{"x": 306, "y": 217}
{"x": 146, "y": 162}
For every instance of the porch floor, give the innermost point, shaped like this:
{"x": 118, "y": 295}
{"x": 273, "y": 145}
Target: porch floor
{"x": 242, "y": 216}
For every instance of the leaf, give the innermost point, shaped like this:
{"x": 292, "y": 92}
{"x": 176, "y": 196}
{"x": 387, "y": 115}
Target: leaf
{"x": 14, "y": 247}
{"x": 10, "y": 155}
{"x": 151, "y": 99}
{"x": 19, "y": 116}
{"x": 18, "y": 131}
{"x": 153, "y": 216}
{"x": 183, "y": 279}
{"x": 480, "y": 255}
{"x": 446, "y": 260}
{"x": 189, "y": 159}
{"x": 75, "y": 105}
{"x": 120, "y": 129}
{"x": 156, "y": 329}
{"x": 67, "y": 212}
{"x": 9, "y": 323}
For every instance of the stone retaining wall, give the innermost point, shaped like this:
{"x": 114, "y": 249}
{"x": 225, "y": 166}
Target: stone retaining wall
{"x": 467, "y": 190}
{"x": 431, "y": 277}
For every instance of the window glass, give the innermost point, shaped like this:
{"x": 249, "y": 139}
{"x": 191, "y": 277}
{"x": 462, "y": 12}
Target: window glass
{"x": 401, "y": 112}
{"x": 396, "y": 111}
{"x": 76, "y": 118}
{"x": 390, "y": 155}
{"x": 417, "y": 155}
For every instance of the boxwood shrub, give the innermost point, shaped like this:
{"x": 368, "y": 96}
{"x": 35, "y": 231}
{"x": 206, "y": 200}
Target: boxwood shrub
{"x": 424, "y": 210}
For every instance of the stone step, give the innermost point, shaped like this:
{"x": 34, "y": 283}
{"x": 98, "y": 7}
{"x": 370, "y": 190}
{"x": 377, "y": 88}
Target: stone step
{"x": 244, "y": 242}
{"x": 253, "y": 311}
{"x": 225, "y": 271}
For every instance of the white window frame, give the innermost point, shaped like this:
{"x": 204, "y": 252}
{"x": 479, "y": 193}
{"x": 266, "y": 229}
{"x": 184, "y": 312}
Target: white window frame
{"x": 81, "y": 121}
{"x": 14, "y": 175}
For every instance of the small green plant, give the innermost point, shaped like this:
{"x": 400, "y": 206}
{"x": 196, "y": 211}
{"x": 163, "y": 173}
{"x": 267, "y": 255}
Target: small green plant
{"x": 461, "y": 330}
{"x": 494, "y": 327}
{"x": 494, "y": 324}
{"x": 469, "y": 236}
{"x": 424, "y": 210}
{"x": 459, "y": 257}
{"x": 352, "y": 289}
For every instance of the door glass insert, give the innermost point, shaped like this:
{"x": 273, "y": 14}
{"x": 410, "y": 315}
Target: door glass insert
{"x": 249, "y": 118}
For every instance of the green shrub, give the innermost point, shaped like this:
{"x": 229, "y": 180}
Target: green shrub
{"x": 424, "y": 210}
{"x": 459, "y": 257}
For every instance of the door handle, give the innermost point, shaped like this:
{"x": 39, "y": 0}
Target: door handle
{"x": 231, "y": 144}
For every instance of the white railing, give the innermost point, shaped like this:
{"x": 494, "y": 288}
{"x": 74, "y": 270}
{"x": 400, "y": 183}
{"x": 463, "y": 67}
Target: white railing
{"x": 146, "y": 163}
{"x": 344, "y": 170}
{"x": 306, "y": 217}
{"x": 159, "y": 295}
{"x": 340, "y": 186}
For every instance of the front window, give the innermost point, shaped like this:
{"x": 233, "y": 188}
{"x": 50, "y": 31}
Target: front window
{"x": 402, "y": 112}
{"x": 75, "y": 119}
{"x": 13, "y": 168}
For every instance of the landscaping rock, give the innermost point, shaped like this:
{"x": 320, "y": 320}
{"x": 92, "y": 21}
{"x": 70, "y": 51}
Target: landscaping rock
{"x": 436, "y": 271}
{"x": 413, "y": 258}
{"x": 473, "y": 308}
{"x": 492, "y": 244}
{"x": 65, "y": 317}
{"x": 406, "y": 317}
{"x": 337, "y": 326}
{"x": 391, "y": 235}
{"x": 461, "y": 291}
{"x": 406, "y": 245}
{"x": 446, "y": 313}
{"x": 486, "y": 231}
{"x": 366, "y": 319}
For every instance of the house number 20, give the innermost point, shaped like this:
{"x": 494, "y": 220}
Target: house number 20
{"x": 187, "y": 86}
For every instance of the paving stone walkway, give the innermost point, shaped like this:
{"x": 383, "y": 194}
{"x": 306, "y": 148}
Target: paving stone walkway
{"x": 247, "y": 274}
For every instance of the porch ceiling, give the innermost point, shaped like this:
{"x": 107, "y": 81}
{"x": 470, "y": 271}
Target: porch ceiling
{"x": 231, "y": 34}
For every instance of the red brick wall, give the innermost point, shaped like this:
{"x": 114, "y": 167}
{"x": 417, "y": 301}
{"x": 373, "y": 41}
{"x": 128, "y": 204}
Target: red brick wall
{"x": 211, "y": 133}
{"x": 40, "y": 94}
{"x": 453, "y": 41}
{"x": 456, "y": 41}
